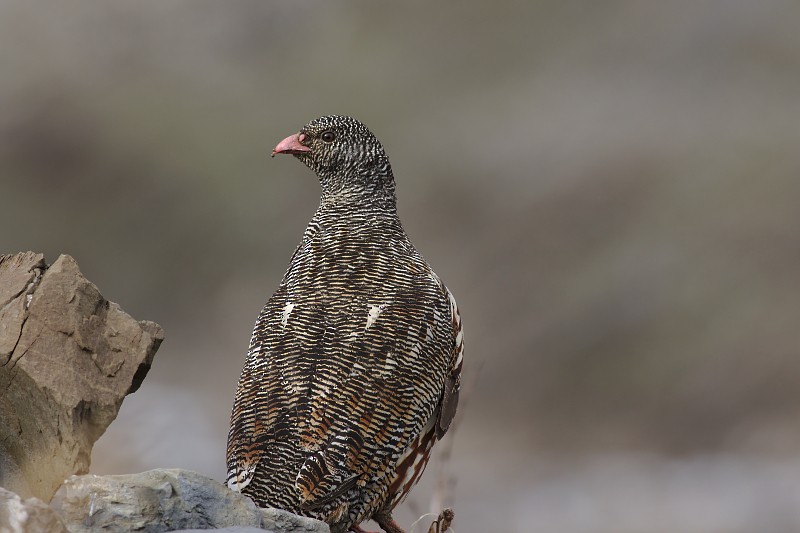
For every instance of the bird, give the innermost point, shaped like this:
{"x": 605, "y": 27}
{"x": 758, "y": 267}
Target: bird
{"x": 353, "y": 370}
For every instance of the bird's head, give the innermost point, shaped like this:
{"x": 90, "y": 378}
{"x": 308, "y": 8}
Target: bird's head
{"x": 348, "y": 159}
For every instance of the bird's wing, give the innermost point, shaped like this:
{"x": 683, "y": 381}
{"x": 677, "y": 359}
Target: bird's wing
{"x": 452, "y": 384}
{"x": 395, "y": 358}
{"x": 348, "y": 384}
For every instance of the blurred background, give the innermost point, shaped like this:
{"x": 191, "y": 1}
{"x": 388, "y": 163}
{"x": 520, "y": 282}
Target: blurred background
{"x": 611, "y": 190}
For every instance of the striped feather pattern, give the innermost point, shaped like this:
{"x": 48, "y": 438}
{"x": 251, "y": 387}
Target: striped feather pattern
{"x": 353, "y": 367}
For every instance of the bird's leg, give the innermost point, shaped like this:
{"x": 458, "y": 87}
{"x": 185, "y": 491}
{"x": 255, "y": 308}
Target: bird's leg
{"x": 357, "y": 529}
{"x": 388, "y": 524}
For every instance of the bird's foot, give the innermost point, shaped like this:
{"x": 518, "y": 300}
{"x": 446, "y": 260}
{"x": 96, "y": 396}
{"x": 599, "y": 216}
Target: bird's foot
{"x": 387, "y": 523}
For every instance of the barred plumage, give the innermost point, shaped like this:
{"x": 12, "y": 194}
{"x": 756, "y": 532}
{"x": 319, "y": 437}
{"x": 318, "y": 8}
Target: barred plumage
{"x": 354, "y": 365}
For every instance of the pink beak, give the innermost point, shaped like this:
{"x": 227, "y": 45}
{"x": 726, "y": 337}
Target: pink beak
{"x": 293, "y": 144}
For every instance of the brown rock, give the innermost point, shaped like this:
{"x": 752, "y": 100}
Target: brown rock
{"x": 68, "y": 357}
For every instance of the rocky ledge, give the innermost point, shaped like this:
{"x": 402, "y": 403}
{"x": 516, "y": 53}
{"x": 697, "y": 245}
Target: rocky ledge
{"x": 68, "y": 357}
{"x": 153, "y": 501}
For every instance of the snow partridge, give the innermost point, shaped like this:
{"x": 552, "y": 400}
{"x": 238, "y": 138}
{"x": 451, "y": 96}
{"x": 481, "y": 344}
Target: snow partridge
{"x": 353, "y": 370}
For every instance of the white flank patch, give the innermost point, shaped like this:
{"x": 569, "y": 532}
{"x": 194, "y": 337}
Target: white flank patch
{"x": 286, "y": 312}
{"x": 453, "y": 304}
{"x": 357, "y": 367}
{"x": 372, "y": 316}
{"x": 241, "y": 480}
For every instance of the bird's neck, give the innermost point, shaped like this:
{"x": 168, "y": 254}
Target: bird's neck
{"x": 351, "y": 208}
{"x": 365, "y": 189}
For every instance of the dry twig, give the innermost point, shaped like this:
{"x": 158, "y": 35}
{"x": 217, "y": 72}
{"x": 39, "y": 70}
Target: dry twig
{"x": 442, "y": 524}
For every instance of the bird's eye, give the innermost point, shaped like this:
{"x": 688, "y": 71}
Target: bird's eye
{"x": 328, "y": 136}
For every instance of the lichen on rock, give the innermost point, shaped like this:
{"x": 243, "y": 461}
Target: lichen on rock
{"x": 27, "y": 516}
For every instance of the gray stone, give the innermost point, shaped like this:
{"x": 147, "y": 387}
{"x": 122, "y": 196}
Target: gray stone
{"x": 278, "y": 520}
{"x": 68, "y": 357}
{"x": 166, "y": 500}
{"x": 27, "y": 516}
{"x": 235, "y": 529}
